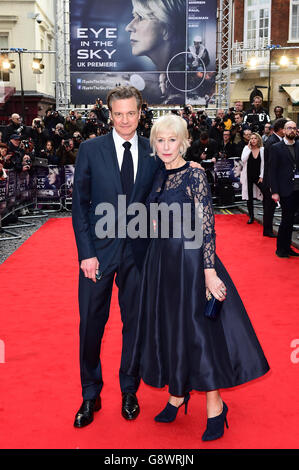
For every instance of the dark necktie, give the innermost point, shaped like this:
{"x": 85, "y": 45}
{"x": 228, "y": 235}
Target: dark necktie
{"x": 127, "y": 171}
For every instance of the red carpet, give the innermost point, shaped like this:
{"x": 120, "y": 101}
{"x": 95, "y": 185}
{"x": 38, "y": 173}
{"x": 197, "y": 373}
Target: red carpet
{"x": 40, "y": 386}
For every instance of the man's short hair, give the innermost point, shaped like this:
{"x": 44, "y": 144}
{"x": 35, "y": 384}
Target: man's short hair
{"x": 279, "y": 124}
{"x": 280, "y": 107}
{"x": 124, "y": 93}
{"x": 204, "y": 136}
{"x": 239, "y": 113}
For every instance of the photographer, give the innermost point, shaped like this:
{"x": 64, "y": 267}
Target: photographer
{"x": 73, "y": 123}
{"x": 101, "y": 112}
{"x": 52, "y": 118}
{"x": 216, "y": 130}
{"x": 13, "y": 149}
{"x": 5, "y": 157}
{"x": 25, "y": 157}
{"x": 91, "y": 125}
{"x": 238, "y": 128}
{"x": 3, "y": 152}
{"x": 204, "y": 148}
{"x": 15, "y": 127}
{"x": 38, "y": 134}
{"x": 58, "y": 134}
{"x": 3, "y": 174}
{"x": 67, "y": 153}
{"x": 257, "y": 116}
{"x": 227, "y": 148}
{"x": 49, "y": 153}
{"x": 77, "y": 139}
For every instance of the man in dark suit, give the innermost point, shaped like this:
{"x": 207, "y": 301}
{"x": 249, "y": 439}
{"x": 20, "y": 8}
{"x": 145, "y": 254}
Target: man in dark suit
{"x": 268, "y": 203}
{"x": 284, "y": 183}
{"x": 115, "y": 164}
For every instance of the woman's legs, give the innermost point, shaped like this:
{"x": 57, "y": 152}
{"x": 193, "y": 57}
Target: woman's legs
{"x": 250, "y": 199}
{"x": 214, "y": 403}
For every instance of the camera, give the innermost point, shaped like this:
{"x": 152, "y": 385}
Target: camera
{"x": 28, "y": 162}
{"x": 37, "y": 123}
{"x": 187, "y": 110}
{"x": 66, "y": 143}
{"x": 25, "y": 144}
{"x": 99, "y": 104}
{"x": 60, "y": 132}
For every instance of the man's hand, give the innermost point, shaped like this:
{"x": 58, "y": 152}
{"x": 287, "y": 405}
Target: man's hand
{"x": 89, "y": 267}
{"x": 275, "y": 197}
{"x": 195, "y": 165}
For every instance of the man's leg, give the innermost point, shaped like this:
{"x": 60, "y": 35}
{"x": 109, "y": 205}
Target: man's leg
{"x": 128, "y": 282}
{"x": 269, "y": 209}
{"x": 286, "y": 225}
{"x": 94, "y": 305}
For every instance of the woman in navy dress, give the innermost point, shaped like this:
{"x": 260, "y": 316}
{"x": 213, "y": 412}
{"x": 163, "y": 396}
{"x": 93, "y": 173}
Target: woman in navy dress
{"x": 176, "y": 344}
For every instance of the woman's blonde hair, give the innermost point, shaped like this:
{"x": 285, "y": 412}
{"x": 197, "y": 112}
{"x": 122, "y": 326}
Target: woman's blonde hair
{"x": 168, "y": 12}
{"x": 171, "y": 123}
{"x": 259, "y": 139}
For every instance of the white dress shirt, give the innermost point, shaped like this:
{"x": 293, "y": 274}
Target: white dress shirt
{"x": 118, "y": 142}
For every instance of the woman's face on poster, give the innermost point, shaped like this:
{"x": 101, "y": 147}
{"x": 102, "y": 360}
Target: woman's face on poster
{"x": 52, "y": 177}
{"x": 146, "y": 34}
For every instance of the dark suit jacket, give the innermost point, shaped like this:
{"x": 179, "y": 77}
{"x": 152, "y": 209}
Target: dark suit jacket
{"x": 97, "y": 180}
{"x": 273, "y": 139}
{"x": 197, "y": 148}
{"x": 282, "y": 169}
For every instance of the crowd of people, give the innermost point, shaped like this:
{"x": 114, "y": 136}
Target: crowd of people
{"x": 55, "y": 138}
{"x": 246, "y": 136}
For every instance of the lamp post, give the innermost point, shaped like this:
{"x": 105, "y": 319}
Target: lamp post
{"x": 22, "y": 88}
{"x": 271, "y": 47}
{"x": 37, "y": 67}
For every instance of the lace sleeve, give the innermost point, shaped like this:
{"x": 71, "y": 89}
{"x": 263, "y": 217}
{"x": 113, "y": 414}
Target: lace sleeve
{"x": 201, "y": 194}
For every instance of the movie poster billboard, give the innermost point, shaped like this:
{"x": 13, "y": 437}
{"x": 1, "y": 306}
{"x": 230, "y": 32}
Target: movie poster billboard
{"x": 49, "y": 181}
{"x": 3, "y": 183}
{"x": 165, "y": 48}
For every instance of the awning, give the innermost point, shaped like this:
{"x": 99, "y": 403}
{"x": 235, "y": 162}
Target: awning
{"x": 5, "y": 94}
{"x": 293, "y": 92}
{"x": 242, "y": 88}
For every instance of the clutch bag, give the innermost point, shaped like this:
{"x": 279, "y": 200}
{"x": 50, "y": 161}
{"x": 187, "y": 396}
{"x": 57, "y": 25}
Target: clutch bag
{"x": 213, "y": 307}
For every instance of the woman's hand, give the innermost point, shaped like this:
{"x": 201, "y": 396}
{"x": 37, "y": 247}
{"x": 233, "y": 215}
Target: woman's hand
{"x": 260, "y": 180}
{"x": 214, "y": 285}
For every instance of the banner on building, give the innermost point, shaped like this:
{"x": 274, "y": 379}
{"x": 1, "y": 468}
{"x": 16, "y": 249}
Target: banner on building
{"x": 165, "y": 48}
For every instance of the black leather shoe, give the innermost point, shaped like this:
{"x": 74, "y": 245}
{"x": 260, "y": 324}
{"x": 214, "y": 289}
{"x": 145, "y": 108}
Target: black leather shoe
{"x": 293, "y": 253}
{"x": 270, "y": 235}
{"x": 250, "y": 220}
{"x": 281, "y": 254}
{"x": 85, "y": 413}
{"x": 130, "y": 408}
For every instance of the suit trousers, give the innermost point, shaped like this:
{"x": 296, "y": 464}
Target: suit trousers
{"x": 94, "y": 306}
{"x": 269, "y": 208}
{"x": 289, "y": 206}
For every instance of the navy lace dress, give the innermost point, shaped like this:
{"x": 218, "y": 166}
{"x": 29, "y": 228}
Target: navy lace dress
{"x": 176, "y": 345}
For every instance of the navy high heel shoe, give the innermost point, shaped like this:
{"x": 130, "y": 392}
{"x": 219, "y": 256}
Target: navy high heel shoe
{"x": 215, "y": 426}
{"x": 170, "y": 411}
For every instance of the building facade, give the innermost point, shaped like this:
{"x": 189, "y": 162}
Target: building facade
{"x": 27, "y": 25}
{"x": 265, "y": 53}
